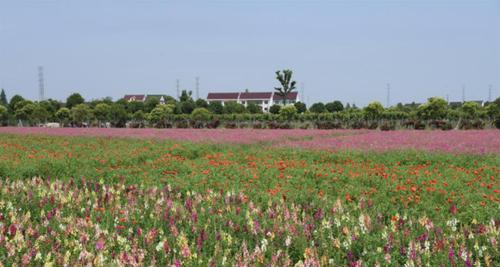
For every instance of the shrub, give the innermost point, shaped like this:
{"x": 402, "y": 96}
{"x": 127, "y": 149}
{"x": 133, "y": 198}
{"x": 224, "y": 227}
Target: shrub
{"x": 201, "y": 114}
{"x": 275, "y": 109}
{"x": 288, "y": 112}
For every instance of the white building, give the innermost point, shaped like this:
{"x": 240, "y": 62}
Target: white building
{"x": 263, "y": 99}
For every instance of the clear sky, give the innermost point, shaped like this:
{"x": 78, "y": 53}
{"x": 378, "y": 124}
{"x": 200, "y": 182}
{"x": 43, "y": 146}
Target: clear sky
{"x": 346, "y": 50}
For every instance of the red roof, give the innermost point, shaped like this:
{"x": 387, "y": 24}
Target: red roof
{"x": 136, "y": 97}
{"x": 290, "y": 96}
{"x": 256, "y": 95}
{"x": 223, "y": 96}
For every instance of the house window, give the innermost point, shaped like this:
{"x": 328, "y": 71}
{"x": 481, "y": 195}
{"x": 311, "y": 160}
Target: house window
{"x": 265, "y": 102}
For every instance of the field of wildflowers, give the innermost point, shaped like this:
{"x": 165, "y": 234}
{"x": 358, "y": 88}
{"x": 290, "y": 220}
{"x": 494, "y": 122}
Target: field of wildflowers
{"x": 104, "y": 201}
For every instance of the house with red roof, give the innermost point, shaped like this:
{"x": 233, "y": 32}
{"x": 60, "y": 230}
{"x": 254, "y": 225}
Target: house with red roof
{"x": 132, "y": 98}
{"x": 263, "y": 99}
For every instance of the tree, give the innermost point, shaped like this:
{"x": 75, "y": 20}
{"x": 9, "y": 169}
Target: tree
{"x": 63, "y": 115}
{"x": 435, "y": 108}
{"x": 3, "y": 115}
{"x": 118, "y": 115}
{"x": 201, "y": 114}
{"x": 52, "y": 106}
{"x": 13, "y": 102}
{"x": 24, "y": 111}
{"x": 317, "y": 108}
{"x": 233, "y": 108}
{"x": 102, "y": 112}
{"x": 301, "y": 107}
{"x": 374, "y": 110}
{"x": 335, "y": 106}
{"x": 138, "y": 116}
{"x": 3, "y": 99}
{"x": 160, "y": 115}
{"x": 201, "y": 103}
{"x": 287, "y": 85}
{"x": 39, "y": 114}
{"x": 187, "y": 106}
{"x": 151, "y": 103}
{"x": 288, "y": 112}
{"x": 81, "y": 113}
{"x": 254, "y": 108}
{"x": 470, "y": 109}
{"x": 135, "y": 106}
{"x": 275, "y": 109}
{"x": 185, "y": 96}
{"x": 73, "y": 100}
{"x": 216, "y": 107}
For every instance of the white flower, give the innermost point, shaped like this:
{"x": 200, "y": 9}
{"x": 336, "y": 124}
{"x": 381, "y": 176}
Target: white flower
{"x": 159, "y": 247}
{"x": 288, "y": 241}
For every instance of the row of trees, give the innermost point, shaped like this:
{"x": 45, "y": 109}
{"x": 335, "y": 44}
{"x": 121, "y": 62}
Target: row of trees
{"x": 78, "y": 112}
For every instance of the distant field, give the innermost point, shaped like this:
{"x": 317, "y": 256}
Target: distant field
{"x": 72, "y": 200}
{"x": 471, "y": 141}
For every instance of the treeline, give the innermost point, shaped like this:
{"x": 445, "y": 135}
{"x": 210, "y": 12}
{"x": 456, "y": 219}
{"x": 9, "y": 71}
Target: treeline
{"x": 186, "y": 112}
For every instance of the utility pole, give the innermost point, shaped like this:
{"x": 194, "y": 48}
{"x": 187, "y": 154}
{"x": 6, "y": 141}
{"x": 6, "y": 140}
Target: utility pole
{"x": 463, "y": 93}
{"x": 388, "y": 95}
{"x": 490, "y": 87}
{"x": 41, "y": 84}
{"x": 302, "y": 92}
{"x": 197, "y": 87}
{"x": 178, "y": 90}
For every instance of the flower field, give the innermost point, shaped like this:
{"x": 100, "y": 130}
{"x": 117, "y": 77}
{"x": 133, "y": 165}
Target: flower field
{"x": 102, "y": 200}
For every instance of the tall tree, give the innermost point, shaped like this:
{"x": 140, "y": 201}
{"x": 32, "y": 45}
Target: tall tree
{"x": 3, "y": 99}
{"x": 73, "y": 100}
{"x": 287, "y": 85}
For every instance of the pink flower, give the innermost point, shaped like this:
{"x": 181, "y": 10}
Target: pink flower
{"x": 99, "y": 245}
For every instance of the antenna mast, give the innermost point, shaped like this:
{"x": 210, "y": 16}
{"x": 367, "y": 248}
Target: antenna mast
{"x": 41, "y": 84}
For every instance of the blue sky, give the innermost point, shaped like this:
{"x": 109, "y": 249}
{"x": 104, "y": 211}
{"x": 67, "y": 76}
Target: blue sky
{"x": 345, "y": 50}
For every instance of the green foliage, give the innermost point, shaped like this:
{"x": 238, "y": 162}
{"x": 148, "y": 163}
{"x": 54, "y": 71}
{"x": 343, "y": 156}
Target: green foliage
{"x": 275, "y": 109}
{"x": 288, "y": 112}
{"x": 74, "y": 100}
{"x": 374, "y": 110}
{"x": 63, "y": 115}
{"x": 160, "y": 115}
{"x": 187, "y": 106}
{"x": 118, "y": 115}
{"x": 435, "y": 108}
{"x": 139, "y": 116}
{"x": 317, "y": 108}
{"x": 301, "y": 107}
{"x": 186, "y": 96}
{"x": 150, "y": 104}
{"x": 81, "y": 113}
{"x": 254, "y": 108}
{"x": 233, "y": 108}
{"x": 201, "y": 103}
{"x": 335, "y": 106}
{"x": 3, "y": 99}
{"x": 14, "y": 101}
{"x": 201, "y": 114}
{"x": 3, "y": 114}
{"x": 216, "y": 107}
{"x": 134, "y": 106}
{"x": 102, "y": 112}
{"x": 470, "y": 109}
{"x": 24, "y": 110}
{"x": 287, "y": 85}
{"x": 39, "y": 114}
